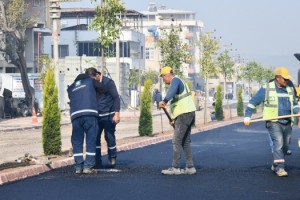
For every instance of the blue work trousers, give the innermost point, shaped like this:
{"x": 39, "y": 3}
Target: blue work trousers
{"x": 84, "y": 126}
{"x": 105, "y": 123}
{"x": 280, "y": 135}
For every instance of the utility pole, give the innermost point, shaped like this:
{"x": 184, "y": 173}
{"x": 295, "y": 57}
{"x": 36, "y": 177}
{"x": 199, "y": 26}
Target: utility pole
{"x": 117, "y": 80}
{"x": 55, "y": 16}
{"x": 139, "y": 74}
{"x": 102, "y": 5}
{"x": 38, "y": 53}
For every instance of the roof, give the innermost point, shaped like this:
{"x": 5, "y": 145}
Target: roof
{"x": 167, "y": 11}
{"x": 74, "y": 12}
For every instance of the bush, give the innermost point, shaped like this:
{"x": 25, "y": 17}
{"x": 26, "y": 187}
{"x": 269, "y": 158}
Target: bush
{"x": 145, "y": 120}
{"x": 219, "y": 104}
{"x": 51, "y": 116}
{"x": 240, "y": 103}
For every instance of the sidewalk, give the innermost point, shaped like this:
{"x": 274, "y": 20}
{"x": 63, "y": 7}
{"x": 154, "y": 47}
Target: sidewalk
{"x": 23, "y": 123}
{"x": 126, "y": 133}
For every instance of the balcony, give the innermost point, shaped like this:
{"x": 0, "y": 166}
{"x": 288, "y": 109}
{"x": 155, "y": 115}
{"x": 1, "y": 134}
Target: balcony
{"x": 189, "y": 35}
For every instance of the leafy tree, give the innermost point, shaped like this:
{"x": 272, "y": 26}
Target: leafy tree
{"x": 240, "y": 103}
{"x": 174, "y": 51}
{"x": 145, "y": 120}
{"x": 258, "y": 74}
{"x": 219, "y": 104}
{"x": 226, "y": 67}
{"x": 51, "y": 116}
{"x": 209, "y": 46}
{"x": 133, "y": 79}
{"x": 13, "y": 23}
{"x": 151, "y": 75}
{"x": 268, "y": 74}
{"x": 249, "y": 71}
{"x": 107, "y": 23}
{"x": 46, "y": 64}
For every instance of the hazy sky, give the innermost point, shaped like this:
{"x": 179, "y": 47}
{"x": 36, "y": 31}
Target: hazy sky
{"x": 267, "y": 31}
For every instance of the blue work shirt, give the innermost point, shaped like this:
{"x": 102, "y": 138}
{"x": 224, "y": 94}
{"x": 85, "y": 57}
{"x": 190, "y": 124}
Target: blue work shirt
{"x": 284, "y": 104}
{"x": 177, "y": 87}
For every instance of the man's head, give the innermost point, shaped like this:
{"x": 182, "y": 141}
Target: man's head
{"x": 282, "y": 76}
{"x": 93, "y": 73}
{"x": 167, "y": 74}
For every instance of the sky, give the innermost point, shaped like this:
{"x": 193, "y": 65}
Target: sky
{"x": 265, "y": 31}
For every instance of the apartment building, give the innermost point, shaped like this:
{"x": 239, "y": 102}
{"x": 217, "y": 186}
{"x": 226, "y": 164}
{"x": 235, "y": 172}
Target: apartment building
{"x": 78, "y": 49}
{"x": 161, "y": 18}
{"x": 39, "y": 10}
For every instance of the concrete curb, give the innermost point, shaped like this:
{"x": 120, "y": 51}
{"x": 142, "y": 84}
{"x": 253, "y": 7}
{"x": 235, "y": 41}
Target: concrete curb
{"x": 28, "y": 127}
{"x": 34, "y": 170}
{"x": 38, "y": 126}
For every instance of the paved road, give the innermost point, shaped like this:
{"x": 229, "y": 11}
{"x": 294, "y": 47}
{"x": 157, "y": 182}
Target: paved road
{"x": 233, "y": 162}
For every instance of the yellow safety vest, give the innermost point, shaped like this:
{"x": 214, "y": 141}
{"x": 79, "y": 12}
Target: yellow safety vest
{"x": 271, "y": 100}
{"x": 182, "y": 103}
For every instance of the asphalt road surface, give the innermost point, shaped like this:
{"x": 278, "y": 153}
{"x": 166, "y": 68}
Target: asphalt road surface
{"x": 232, "y": 162}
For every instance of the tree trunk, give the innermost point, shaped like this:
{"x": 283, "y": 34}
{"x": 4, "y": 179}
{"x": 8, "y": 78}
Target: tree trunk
{"x": 228, "y": 106}
{"x": 206, "y": 97}
{"x": 22, "y": 66}
{"x": 102, "y": 61}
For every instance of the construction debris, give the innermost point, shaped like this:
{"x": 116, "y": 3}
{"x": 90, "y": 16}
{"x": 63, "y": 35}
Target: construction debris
{"x": 28, "y": 158}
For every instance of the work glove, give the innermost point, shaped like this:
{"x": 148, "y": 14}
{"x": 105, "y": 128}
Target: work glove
{"x": 172, "y": 122}
{"x": 247, "y": 121}
{"x": 162, "y": 104}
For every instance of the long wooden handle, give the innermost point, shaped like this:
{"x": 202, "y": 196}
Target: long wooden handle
{"x": 273, "y": 118}
{"x": 168, "y": 115}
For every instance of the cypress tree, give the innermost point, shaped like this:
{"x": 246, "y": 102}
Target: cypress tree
{"x": 219, "y": 104}
{"x": 240, "y": 103}
{"x": 145, "y": 120}
{"x": 51, "y": 116}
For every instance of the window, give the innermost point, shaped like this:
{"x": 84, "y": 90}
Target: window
{"x": 149, "y": 53}
{"x": 89, "y": 49}
{"x": 63, "y": 51}
{"x": 126, "y": 49}
{"x": 10, "y": 70}
{"x": 36, "y": 3}
{"x": 94, "y": 49}
{"x": 151, "y": 18}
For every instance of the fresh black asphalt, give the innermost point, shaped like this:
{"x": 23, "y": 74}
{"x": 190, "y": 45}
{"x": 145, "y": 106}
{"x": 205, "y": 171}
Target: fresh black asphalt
{"x": 232, "y": 162}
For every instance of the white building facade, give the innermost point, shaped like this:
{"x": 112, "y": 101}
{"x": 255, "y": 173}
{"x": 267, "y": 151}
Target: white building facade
{"x": 159, "y": 19}
{"x": 79, "y": 49}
